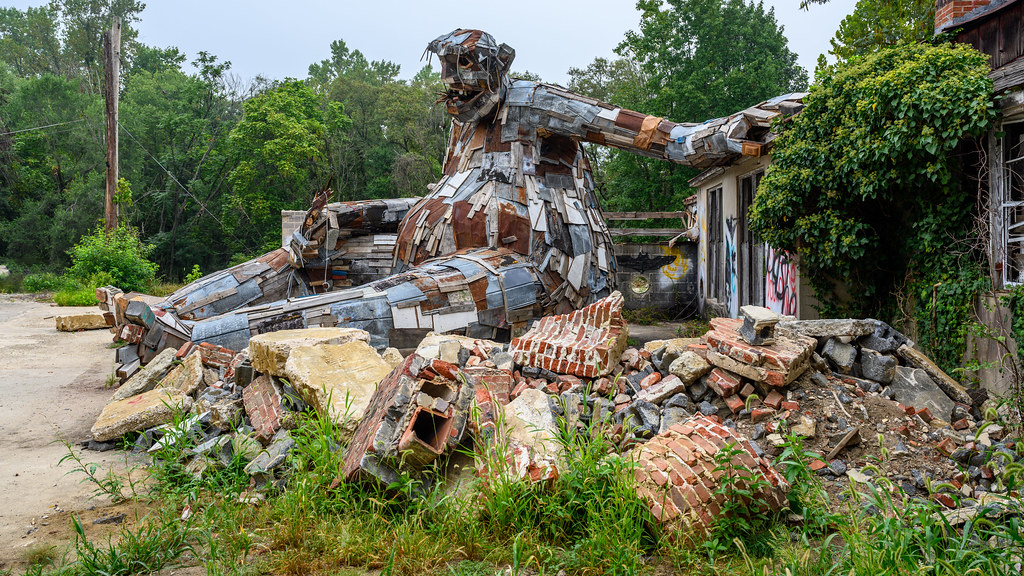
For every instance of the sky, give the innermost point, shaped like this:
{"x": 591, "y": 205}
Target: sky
{"x": 281, "y": 39}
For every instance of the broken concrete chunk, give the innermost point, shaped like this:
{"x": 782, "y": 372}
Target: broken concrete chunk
{"x": 273, "y": 456}
{"x": 139, "y": 412}
{"x": 186, "y": 377}
{"x": 805, "y": 426}
{"x": 587, "y": 343}
{"x": 841, "y": 355}
{"x": 913, "y": 387}
{"x": 951, "y": 387}
{"x": 148, "y": 376}
{"x": 392, "y": 357}
{"x": 269, "y": 352}
{"x": 78, "y": 322}
{"x": 675, "y": 474}
{"x": 877, "y": 366}
{"x": 688, "y": 367}
{"x": 758, "y": 325}
{"x": 830, "y": 327}
{"x": 337, "y": 379}
{"x": 531, "y": 432}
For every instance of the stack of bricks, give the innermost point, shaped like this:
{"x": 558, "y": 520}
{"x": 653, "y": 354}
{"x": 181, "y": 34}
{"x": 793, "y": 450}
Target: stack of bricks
{"x": 676, "y": 475}
{"x": 587, "y": 343}
{"x": 262, "y": 399}
{"x": 774, "y": 365}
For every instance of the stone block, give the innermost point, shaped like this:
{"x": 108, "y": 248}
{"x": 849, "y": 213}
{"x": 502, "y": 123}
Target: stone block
{"x": 186, "y": 377}
{"x": 841, "y": 355}
{"x": 877, "y": 366}
{"x": 758, "y": 326}
{"x": 139, "y": 412}
{"x": 336, "y": 379}
{"x": 951, "y": 387}
{"x": 587, "y": 343}
{"x": 913, "y": 387}
{"x": 688, "y": 367}
{"x": 269, "y": 352}
{"x": 79, "y": 322}
{"x": 831, "y": 327}
{"x": 148, "y": 377}
{"x": 675, "y": 475}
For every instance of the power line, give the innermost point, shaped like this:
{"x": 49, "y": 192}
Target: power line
{"x": 43, "y": 127}
{"x": 171, "y": 176}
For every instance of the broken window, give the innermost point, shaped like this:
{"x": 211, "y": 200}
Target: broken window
{"x": 1012, "y": 206}
{"x": 716, "y": 257}
{"x": 751, "y": 249}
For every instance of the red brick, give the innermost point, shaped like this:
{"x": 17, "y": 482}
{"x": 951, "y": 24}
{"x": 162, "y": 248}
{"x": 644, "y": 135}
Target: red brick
{"x": 650, "y": 380}
{"x": 262, "y": 401}
{"x": 817, "y": 465}
{"x": 946, "y": 447}
{"x": 724, "y": 383}
{"x": 925, "y": 415}
{"x": 961, "y": 424}
{"x": 735, "y": 403}
{"x": 773, "y": 400}
{"x": 759, "y": 414}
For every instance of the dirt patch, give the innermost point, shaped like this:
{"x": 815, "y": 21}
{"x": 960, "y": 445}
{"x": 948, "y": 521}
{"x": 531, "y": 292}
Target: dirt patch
{"x": 52, "y": 385}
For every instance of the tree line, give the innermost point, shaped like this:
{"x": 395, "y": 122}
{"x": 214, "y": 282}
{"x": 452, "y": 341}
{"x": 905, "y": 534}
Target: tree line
{"x": 208, "y": 160}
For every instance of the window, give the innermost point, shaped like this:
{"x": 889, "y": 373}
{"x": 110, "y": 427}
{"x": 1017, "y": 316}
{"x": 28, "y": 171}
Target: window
{"x": 716, "y": 249}
{"x": 750, "y": 266}
{"x": 1012, "y": 202}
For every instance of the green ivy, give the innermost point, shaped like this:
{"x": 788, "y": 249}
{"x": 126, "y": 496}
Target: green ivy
{"x": 866, "y": 187}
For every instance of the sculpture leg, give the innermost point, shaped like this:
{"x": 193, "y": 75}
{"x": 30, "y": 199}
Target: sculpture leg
{"x": 482, "y": 293}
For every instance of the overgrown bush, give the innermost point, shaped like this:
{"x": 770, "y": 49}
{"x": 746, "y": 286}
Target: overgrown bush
{"x": 867, "y": 186}
{"x": 43, "y": 282}
{"x": 120, "y": 259}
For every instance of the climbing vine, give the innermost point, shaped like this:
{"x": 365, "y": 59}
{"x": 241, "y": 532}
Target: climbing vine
{"x": 867, "y": 187}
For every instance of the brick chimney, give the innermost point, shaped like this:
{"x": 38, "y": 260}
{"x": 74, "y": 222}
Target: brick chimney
{"x": 948, "y": 10}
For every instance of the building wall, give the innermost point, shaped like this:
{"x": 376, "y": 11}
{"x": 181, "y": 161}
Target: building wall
{"x": 785, "y": 291}
{"x": 658, "y": 276}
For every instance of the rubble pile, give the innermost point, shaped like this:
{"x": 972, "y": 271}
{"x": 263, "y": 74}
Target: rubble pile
{"x": 855, "y": 391}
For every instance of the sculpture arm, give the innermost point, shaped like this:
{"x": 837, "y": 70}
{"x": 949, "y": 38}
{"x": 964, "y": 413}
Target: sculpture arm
{"x": 559, "y": 111}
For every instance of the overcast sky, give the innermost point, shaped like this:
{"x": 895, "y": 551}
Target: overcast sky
{"x": 281, "y": 39}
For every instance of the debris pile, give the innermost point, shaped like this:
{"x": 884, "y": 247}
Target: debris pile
{"x": 673, "y": 406}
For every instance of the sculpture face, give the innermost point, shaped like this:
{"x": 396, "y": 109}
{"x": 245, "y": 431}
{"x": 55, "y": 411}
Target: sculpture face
{"x": 473, "y": 69}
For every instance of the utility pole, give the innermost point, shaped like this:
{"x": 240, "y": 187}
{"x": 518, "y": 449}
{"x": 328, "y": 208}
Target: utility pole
{"x": 112, "y": 57}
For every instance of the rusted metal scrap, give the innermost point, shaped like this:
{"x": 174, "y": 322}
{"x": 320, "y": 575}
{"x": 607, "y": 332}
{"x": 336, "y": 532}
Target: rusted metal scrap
{"x": 513, "y": 230}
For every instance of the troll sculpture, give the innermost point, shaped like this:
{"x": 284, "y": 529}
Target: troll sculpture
{"x": 511, "y": 232}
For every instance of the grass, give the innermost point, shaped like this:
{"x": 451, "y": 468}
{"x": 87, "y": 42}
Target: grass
{"x": 75, "y": 297}
{"x": 587, "y": 521}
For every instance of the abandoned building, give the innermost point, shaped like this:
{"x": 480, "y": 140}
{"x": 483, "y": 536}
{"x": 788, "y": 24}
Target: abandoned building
{"x": 735, "y": 268}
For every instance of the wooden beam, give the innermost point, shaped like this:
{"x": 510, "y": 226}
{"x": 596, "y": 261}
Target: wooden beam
{"x": 616, "y": 232}
{"x": 642, "y": 215}
{"x": 112, "y": 57}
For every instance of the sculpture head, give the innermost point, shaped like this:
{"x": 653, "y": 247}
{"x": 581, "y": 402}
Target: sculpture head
{"x": 474, "y": 70}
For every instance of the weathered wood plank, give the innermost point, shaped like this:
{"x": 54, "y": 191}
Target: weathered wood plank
{"x": 642, "y": 215}
{"x": 616, "y": 232}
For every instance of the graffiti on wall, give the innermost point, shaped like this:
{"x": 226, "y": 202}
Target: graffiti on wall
{"x": 731, "y": 289}
{"x": 780, "y": 283}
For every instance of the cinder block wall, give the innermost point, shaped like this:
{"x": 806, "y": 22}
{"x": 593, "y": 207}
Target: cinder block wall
{"x": 290, "y": 221}
{"x": 658, "y": 277}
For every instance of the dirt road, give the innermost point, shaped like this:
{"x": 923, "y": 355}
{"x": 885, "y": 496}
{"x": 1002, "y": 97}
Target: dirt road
{"x": 50, "y": 383}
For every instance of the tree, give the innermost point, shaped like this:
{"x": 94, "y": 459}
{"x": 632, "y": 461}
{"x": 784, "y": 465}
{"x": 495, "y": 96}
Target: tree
{"x": 689, "y": 61}
{"x": 877, "y": 24}
{"x": 863, "y": 183}
{"x": 280, "y": 153}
